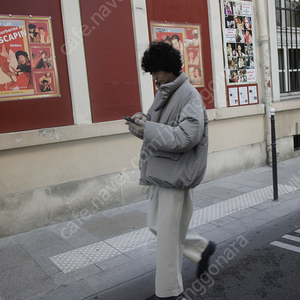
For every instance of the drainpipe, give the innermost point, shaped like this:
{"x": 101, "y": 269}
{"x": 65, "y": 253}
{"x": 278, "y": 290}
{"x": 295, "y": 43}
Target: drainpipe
{"x": 265, "y": 65}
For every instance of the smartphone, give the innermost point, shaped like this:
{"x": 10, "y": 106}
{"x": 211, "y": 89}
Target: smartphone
{"x": 128, "y": 119}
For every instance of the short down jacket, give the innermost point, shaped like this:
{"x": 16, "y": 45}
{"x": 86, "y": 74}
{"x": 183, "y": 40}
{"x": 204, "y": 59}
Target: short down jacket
{"x": 174, "y": 151}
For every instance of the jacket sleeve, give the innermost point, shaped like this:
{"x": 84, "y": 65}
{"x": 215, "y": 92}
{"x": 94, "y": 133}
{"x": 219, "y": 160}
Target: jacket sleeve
{"x": 187, "y": 132}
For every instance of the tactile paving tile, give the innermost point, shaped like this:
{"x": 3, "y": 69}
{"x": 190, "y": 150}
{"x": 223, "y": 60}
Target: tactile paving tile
{"x": 87, "y": 255}
{"x": 70, "y": 261}
{"x": 98, "y": 251}
{"x": 84, "y": 256}
{"x": 230, "y": 206}
{"x": 132, "y": 240}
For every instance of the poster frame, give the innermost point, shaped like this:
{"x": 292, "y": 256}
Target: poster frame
{"x": 238, "y": 18}
{"x": 235, "y": 100}
{"x": 190, "y": 44}
{"x": 42, "y": 77}
{"x": 235, "y": 41}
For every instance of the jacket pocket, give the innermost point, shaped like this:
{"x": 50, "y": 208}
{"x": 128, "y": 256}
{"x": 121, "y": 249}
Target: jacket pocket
{"x": 168, "y": 155}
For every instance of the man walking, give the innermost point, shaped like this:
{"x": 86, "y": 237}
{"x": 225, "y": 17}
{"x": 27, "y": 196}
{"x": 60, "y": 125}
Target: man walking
{"x": 172, "y": 162}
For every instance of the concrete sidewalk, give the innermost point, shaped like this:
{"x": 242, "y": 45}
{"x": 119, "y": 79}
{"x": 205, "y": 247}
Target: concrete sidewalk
{"x": 97, "y": 253}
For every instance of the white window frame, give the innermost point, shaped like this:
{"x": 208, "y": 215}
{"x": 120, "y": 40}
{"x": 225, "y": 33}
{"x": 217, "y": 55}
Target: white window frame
{"x": 290, "y": 31}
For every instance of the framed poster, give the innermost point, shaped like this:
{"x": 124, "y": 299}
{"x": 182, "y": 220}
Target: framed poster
{"x": 239, "y": 41}
{"x": 187, "y": 39}
{"x": 27, "y": 59}
{"x": 239, "y": 51}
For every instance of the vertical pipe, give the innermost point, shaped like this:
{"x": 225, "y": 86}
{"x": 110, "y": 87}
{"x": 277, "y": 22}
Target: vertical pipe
{"x": 274, "y": 155}
{"x": 265, "y": 65}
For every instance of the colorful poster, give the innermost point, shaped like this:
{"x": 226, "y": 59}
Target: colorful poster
{"x": 186, "y": 39}
{"x": 238, "y": 40}
{"x": 27, "y": 59}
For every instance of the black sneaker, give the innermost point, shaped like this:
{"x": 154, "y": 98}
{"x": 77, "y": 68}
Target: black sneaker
{"x": 204, "y": 262}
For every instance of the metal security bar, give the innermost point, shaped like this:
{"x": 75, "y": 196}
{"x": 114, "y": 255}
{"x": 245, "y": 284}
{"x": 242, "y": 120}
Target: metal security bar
{"x": 288, "y": 42}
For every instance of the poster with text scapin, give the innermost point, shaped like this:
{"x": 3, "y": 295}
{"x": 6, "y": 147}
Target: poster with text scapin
{"x": 27, "y": 60}
{"x": 186, "y": 39}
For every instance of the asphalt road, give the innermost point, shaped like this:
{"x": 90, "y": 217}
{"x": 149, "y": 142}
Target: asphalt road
{"x": 248, "y": 267}
{"x": 260, "y": 270}
{"x": 267, "y": 272}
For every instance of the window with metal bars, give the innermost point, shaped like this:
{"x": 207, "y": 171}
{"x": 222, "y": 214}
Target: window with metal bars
{"x": 288, "y": 43}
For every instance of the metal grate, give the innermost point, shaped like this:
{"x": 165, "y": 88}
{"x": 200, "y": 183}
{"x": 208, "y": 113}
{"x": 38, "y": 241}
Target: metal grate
{"x": 288, "y": 43}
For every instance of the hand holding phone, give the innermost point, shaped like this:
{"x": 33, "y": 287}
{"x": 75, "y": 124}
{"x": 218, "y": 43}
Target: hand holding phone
{"x": 128, "y": 119}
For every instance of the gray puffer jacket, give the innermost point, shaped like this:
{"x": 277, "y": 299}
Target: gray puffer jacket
{"x": 174, "y": 151}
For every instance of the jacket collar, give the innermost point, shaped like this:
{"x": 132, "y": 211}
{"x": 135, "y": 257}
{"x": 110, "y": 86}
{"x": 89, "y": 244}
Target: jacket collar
{"x": 168, "y": 89}
{"x": 171, "y": 87}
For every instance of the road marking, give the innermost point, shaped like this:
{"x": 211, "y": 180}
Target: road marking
{"x": 286, "y": 246}
{"x": 291, "y": 238}
{"x": 90, "y": 254}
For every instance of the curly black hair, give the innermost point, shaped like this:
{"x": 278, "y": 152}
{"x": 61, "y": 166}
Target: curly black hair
{"x": 161, "y": 56}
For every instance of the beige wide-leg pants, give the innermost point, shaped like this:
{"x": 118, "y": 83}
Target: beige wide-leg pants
{"x": 169, "y": 215}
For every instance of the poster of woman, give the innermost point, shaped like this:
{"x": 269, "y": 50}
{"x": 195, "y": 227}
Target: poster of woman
{"x": 15, "y": 69}
{"x": 238, "y": 40}
{"x": 239, "y": 48}
{"x": 26, "y": 51}
{"x": 186, "y": 39}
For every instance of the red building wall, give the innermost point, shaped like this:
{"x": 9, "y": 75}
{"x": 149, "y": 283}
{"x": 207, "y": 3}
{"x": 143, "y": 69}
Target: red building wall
{"x": 111, "y": 59}
{"x": 192, "y": 12}
{"x": 29, "y": 114}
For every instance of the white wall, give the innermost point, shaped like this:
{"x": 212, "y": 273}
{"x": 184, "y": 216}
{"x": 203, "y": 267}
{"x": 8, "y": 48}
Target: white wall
{"x": 74, "y": 50}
